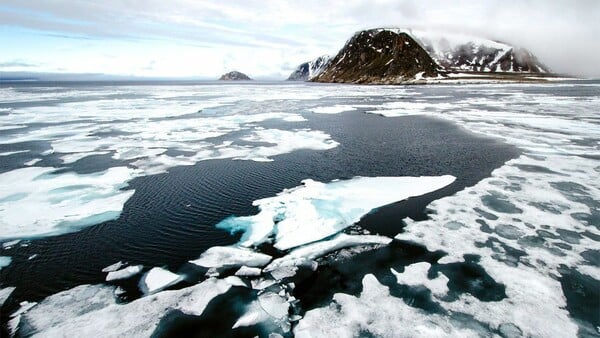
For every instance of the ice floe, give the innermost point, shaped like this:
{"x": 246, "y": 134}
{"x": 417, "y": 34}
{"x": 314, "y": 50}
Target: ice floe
{"x": 316, "y": 210}
{"x": 113, "y": 267}
{"x": 374, "y": 312}
{"x": 5, "y": 293}
{"x": 87, "y": 310}
{"x": 304, "y": 256}
{"x": 10, "y": 244}
{"x": 158, "y": 279}
{"x": 227, "y": 256}
{"x": 122, "y": 273}
{"x": 15, "y": 318}
{"x": 35, "y": 202}
{"x": 5, "y": 261}
{"x": 336, "y": 109}
{"x": 245, "y": 271}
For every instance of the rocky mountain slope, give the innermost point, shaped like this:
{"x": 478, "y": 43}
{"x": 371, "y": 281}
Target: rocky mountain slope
{"x": 461, "y": 52}
{"x": 395, "y": 55}
{"x": 234, "y": 76}
{"x": 310, "y": 69}
{"x": 379, "y": 56}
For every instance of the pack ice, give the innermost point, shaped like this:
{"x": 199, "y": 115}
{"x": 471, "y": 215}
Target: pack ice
{"x": 36, "y": 202}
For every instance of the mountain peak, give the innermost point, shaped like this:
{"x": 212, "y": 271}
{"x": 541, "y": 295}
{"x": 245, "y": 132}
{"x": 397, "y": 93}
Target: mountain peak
{"x": 379, "y": 56}
{"x": 309, "y": 70}
{"x": 399, "y": 55}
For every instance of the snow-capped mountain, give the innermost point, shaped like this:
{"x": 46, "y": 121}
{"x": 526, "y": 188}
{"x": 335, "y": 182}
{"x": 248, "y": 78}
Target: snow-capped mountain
{"x": 398, "y": 55}
{"x": 462, "y": 52}
{"x": 310, "y": 69}
{"x": 379, "y": 56}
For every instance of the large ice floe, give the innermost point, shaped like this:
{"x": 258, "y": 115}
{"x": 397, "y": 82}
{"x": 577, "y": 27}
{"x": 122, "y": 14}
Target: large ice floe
{"x": 34, "y": 201}
{"x": 317, "y": 210}
{"x": 89, "y": 310}
{"x": 516, "y": 255}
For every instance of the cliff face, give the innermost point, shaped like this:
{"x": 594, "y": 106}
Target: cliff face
{"x": 379, "y": 56}
{"x": 234, "y": 76}
{"x": 310, "y": 69}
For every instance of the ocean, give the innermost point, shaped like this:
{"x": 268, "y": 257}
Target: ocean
{"x": 445, "y": 202}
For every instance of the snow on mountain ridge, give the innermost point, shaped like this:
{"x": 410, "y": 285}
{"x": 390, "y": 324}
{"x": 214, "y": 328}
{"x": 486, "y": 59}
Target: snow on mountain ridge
{"x": 466, "y": 52}
{"x": 451, "y": 52}
{"x": 316, "y": 66}
{"x": 310, "y": 69}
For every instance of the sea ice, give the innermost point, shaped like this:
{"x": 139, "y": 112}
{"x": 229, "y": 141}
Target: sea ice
{"x": 158, "y": 279}
{"x": 336, "y": 109}
{"x": 123, "y": 273}
{"x": 228, "y": 256}
{"x": 61, "y": 314}
{"x": 36, "y": 202}
{"x": 552, "y": 189}
{"x": 374, "y": 312}
{"x": 137, "y": 131}
{"x": 5, "y": 261}
{"x": 113, "y": 267}
{"x": 269, "y": 308}
{"x": 5, "y": 293}
{"x": 416, "y": 274}
{"x": 287, "y": 265}
{"x": 273, "y": 304}
{"x": 10, "y": 244}
{"x": 317, "y": 210}
{"x": 245, "y": 271}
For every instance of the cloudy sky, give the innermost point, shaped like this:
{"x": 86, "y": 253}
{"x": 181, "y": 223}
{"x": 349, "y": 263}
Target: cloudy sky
{"x": 267, "y": 39}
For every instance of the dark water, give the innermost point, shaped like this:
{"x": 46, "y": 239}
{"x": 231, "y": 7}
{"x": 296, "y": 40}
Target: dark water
{"x": 170, "y": 219}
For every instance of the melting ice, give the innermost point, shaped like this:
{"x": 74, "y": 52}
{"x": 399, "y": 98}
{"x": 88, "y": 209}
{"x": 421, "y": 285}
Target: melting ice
{"x": 316, "y": 210}
{"x": 533, "y": 223}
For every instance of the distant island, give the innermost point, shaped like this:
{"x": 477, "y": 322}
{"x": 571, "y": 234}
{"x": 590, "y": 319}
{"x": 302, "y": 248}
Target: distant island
{"x": 234, "y": 76}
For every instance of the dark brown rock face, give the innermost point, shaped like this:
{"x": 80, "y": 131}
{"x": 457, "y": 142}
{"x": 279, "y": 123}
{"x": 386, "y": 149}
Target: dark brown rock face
{"x": 381, "y": 57}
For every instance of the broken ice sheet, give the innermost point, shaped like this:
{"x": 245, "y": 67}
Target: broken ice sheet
{"x": 316, "y": 210}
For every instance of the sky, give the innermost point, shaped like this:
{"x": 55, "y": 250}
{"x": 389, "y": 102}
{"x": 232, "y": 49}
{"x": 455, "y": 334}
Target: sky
{"x": 267, "y": 39}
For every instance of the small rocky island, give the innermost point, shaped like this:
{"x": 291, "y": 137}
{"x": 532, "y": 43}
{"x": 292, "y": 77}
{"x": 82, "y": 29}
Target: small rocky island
{"x": 234, "y": 76}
